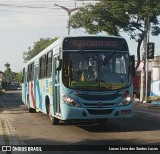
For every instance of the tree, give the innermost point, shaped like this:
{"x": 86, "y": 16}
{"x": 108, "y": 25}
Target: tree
{"x": 8, "y": 72}
{"x": 37, "y": 48}
{"x": 105, "y": 16}
{"x": 18, "y": 77}
{"x": 130, "y": 16}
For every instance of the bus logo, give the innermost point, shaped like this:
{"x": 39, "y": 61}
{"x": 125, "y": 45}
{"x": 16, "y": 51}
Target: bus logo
{"x": 99, "y": 104}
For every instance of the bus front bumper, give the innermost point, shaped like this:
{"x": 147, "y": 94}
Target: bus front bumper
{"x": 72, "y": 112}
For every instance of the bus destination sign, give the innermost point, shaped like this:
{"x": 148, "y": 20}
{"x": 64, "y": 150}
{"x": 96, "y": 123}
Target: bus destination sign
{"x": 102, "y": 43}
{"x": 95, "y": 43}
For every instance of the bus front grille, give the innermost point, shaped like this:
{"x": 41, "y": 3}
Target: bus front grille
{"x": 100, "y": 112}
{"x": 108, "y": 97}
{"x": 99, "y": 104}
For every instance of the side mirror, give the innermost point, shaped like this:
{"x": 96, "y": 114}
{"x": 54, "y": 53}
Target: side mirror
{"x": 133, "y": 64}
{"x": 58, "y": 64}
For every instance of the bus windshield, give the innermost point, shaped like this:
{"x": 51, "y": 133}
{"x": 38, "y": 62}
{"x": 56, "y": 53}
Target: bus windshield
{"x": 103, "y": 70}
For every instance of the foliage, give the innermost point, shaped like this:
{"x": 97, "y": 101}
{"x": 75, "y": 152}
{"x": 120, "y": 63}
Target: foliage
{"x": 37, "y": 48}
{"x": 103, "y": 16}
{"x": 112, "y": 16}
{"x": 130, "y": 16}
{"x": 8, "y": 73}
{"x": 139, "y": 12}
{"x": 18, "y": 77}
{"x": 12, "y": 76}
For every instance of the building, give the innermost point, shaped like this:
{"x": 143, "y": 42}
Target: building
{"x": 153, "y": 74}
{"x": 2, "y": 79}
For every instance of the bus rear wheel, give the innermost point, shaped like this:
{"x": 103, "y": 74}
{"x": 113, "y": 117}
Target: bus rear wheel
{"x": 30, "y": 110}
{"x": 54, "y": 120}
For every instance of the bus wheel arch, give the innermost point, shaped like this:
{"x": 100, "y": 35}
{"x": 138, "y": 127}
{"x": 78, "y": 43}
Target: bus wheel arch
{"x": 47, "y": 104}
{"x": 54, "y": 120}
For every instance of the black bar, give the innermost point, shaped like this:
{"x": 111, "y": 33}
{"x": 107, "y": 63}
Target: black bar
{"x": 81, "y": 148}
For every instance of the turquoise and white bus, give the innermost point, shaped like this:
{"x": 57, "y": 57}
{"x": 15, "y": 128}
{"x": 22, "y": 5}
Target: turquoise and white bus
{"x": 81, "y": 78}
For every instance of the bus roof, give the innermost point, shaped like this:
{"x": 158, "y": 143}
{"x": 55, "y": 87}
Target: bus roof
{"x": 60, "y": 41}
{"x": 93, "y": 42}
{"x": 49, "y": 48}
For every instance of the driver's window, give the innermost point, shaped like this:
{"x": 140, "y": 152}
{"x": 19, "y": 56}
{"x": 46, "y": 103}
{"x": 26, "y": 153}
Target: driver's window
{"x": 81, "y": 67}
{"x": 120, "y": 65}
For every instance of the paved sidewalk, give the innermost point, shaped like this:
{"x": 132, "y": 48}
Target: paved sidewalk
{"x": 2, "y": 142}
{"x": 1, "y": 128}
{"x": 7, "y": 130}
{"x": 8, "y": 134}
{"x": 1, "y": 135}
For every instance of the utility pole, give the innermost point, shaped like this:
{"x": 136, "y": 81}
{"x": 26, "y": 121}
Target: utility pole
{"x": 146, "y": 66}
{"x": 69, "y": 11}
{"x": 144, "y": 71}
{"x": 142, "y": 78}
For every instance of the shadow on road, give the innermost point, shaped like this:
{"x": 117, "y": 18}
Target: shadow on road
{"x": 140, "y": 122}
{"x": 126, "y": 125}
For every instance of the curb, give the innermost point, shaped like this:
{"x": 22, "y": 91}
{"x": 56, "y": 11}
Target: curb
{"x": 146, "y": 105}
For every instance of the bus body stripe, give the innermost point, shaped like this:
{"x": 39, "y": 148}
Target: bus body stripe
{"x": 39, "y": 95}
{"x": 32, "y": 96}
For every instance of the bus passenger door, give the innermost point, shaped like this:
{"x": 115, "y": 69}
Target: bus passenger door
{"x": 24, "y": 88}
{"x": 56, "y": 91}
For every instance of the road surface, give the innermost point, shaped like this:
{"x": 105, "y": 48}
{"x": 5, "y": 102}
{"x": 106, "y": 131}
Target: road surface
{"x": 18, "y": 127}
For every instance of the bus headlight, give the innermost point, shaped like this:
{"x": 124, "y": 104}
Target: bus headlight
{"x": 70, "y": 101}
{"x": 125, "y": 101}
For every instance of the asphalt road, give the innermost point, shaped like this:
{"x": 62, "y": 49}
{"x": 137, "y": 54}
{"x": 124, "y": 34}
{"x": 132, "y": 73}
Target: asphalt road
{"x": 23, "y": 128}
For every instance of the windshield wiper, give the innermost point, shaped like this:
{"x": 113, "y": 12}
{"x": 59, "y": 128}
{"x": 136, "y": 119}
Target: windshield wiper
{"x": 109, "y": 57}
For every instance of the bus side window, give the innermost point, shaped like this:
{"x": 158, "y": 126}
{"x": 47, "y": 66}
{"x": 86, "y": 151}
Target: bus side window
{"x": 49, "y": 64}
{"x": 40, "y": 68}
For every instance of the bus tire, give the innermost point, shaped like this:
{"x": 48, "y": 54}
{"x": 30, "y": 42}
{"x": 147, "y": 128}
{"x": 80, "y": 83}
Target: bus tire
{"x": 54, "y": 120}
{"x": 30, "y": 110}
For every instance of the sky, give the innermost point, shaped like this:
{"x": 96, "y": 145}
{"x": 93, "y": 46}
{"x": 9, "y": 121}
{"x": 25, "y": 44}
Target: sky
{"x": 23, "y": 22}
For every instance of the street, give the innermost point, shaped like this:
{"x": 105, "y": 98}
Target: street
{"x": 18, "y": 127}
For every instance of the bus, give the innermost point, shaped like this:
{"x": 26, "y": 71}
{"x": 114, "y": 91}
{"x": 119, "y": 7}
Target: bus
{"x": 81, "y": 78}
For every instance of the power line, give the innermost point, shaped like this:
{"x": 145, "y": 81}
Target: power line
{"x": 14, "y": 3}
{"x": 31, "y": 6}
{"x": 41, "y": 1}
{"x": 27, "y": 6}
{"x": 44, "y": 14}
{"x": 68, "y": 1}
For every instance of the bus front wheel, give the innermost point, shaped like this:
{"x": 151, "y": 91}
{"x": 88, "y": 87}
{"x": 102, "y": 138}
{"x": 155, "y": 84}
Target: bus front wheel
{"x": 54, "y": 120}
{"x": 30, "y": 110}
